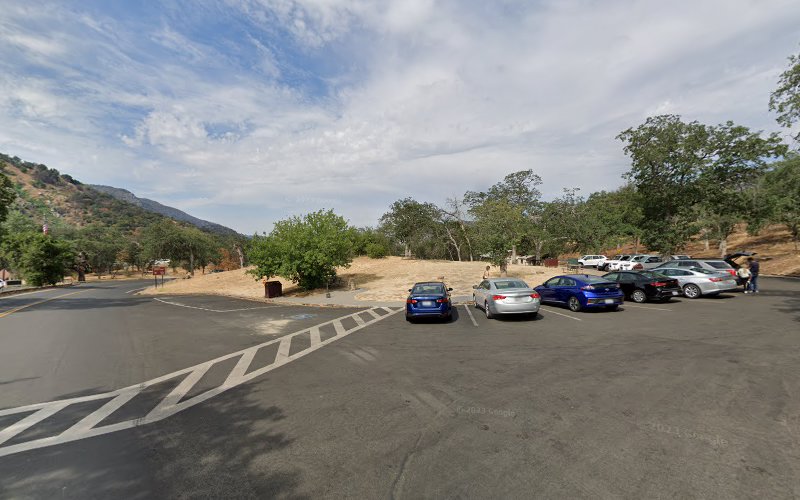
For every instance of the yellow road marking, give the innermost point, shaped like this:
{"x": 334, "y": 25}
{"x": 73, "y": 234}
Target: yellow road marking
{"x": 11, "y": 311}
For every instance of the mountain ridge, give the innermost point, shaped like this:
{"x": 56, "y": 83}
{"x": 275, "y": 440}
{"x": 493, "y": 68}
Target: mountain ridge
{"x": 127, "y": 196}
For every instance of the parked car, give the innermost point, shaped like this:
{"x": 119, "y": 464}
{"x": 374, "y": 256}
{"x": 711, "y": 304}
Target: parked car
{"x": 640, "y": 262}
{"x": 680, "y": 257}
{"x": 613, "y": 265}
{"x": 696, "y": 282}
{"x": 717, "y": 265}
{"x": 640, "y": 286}
{"x": 591, "y": 260}
{"x": 505, "y": 296}
{"x": 581, "y": 291}
{"x": 429, "y": 299}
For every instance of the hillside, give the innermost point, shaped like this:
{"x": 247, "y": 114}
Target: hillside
{"x": 156, "y": 207}
{"x": 47, "y": 196}
{"x": 773, "y": 247}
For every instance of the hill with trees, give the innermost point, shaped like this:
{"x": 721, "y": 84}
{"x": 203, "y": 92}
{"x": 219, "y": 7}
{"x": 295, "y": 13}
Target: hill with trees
{"x": 44, "y": 212}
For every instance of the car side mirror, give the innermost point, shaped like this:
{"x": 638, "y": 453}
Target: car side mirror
{"x": 449, "y": 289}
{"x": 409, "y": 289}
{"x": 474, "y": 287}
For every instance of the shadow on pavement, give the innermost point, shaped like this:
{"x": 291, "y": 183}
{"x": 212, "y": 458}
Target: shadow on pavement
{"x": 208, "y": 451}
{"x": 73, "y": 304}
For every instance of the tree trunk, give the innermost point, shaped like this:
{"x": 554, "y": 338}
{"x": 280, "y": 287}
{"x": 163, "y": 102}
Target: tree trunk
{"x": 539, "y": 245}
{"x": 723, "y": 247}
{"x": 706, "y": 243}
{"x": 191, "y": 262}
{"x": 504, "y": 268}
{"x": 407, "y": 251}
{"x": 241, "y": 256}
{"x": 454, "y": 242}
{"x": 636, "y": 244}
{"x": 513, "y": 254}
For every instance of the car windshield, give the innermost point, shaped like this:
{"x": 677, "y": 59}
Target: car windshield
{"x": 427, "y": 289}
{"x": 639, "y": 258}
{"x": 506, "y": 284}
{"x": 718, "y": 264}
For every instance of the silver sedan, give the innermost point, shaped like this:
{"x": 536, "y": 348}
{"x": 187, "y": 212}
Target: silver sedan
{"x": 696, "y": 281}
{"x": 505, "y": 296}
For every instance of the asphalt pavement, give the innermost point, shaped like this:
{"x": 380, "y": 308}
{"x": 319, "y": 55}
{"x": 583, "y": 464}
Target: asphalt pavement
{"x": 211, "y": 397}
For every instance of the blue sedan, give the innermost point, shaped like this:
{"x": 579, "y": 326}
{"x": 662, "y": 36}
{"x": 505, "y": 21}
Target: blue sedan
{"x": 429, "y": 299}
{"x": 581, "y": 291}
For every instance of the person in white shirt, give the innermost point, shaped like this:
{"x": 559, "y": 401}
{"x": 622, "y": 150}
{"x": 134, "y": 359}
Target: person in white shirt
{"x": 744, "y": 276}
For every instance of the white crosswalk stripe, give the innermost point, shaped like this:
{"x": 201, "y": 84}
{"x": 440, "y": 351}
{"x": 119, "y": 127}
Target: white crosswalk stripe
{"x": 92, "y": 424}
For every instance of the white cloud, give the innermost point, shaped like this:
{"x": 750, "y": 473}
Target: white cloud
{"x": 350, "y": 105}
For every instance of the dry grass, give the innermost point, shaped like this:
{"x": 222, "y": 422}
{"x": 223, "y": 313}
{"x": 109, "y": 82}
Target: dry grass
{"x": 377, "y": 279}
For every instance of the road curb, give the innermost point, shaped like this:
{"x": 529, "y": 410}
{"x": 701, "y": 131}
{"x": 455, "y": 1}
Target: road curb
{"x": 35, "y": 289}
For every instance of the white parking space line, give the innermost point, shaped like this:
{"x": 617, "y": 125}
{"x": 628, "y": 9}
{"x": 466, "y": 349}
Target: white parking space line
{"x": 210, "y": 310}
{"x": 558, "y": 313}
{"x": 315, "y": 335}
{"x": 137, "y": 290}
{"x": 92, "y": 424}
{"x": 646, "y": 307}
{"x": 469, "y": 313}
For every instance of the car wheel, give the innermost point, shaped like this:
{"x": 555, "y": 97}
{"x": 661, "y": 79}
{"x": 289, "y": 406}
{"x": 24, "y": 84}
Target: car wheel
{"x": 408, "y": 318}
{"x": 475, "y": 300}
{"x": 574, "y": 304}
{"x": 691, "y": 291}
{"x": 486, "y": 310}
{"x": 638, "y": 296}
{"x": 612, "y": 308}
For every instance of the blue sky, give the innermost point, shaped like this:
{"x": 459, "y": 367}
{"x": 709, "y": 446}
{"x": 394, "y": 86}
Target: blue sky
{"x": 244, "y": 112}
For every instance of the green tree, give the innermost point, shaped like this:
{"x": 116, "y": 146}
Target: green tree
{"x": 785, "y": 100}
{"x": 7, "y": 196}
{"x": 667, "y": 156}
{"x": 45, "y": 260}
{"x": 681, "y": 168}
{"x": 412, "y": 224}
{"x": 778, "y": 197}
{"x": 505, "y": 215}
{"x": 737, "y": 159}
{"x": 304, "y": 250}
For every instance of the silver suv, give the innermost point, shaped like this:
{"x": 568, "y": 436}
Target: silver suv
{"x": 717, "y": 265}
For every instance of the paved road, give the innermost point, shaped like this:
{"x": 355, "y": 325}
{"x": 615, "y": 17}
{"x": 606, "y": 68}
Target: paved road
{"x": 686, "y": 399}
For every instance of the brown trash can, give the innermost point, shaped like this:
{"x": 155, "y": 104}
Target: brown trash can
{"x": 550, "y": 262}
{"x": 273, "y": 289}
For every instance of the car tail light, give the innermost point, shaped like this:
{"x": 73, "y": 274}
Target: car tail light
{"x": 441, "y": 301}
{"x": 587, "y": 287}
{"x": 732, "y": 272}
{"x": 535, "y": 295}
{"x": 659, "y": 283}
{"x": 498, "y": 297}
{"x": 638, "y": 266}
{"x": 715, "y": 279}
{"x": 411, "y": 301}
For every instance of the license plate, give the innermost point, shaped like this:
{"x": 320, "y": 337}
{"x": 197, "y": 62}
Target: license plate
{"x": 674, "y": 293}
{"x": 427, "y": 303}
{"x": 609, "y": 301}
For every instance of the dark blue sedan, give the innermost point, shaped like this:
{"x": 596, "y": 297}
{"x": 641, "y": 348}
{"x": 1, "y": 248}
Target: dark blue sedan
{"x": 430, "y": 299}
{"x": 581, "y": 291}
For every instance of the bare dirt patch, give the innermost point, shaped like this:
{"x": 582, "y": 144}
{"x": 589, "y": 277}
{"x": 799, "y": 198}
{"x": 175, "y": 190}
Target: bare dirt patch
{"x": 376, "y": 279}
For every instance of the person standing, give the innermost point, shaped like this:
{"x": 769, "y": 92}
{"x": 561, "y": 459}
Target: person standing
{"x": 486, "y": 273}
{"x": 743, "y": 273}
{"x": 753, "y": 265}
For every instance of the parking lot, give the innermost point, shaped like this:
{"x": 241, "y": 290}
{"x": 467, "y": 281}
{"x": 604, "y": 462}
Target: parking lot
{"x": 691, "y": 398}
